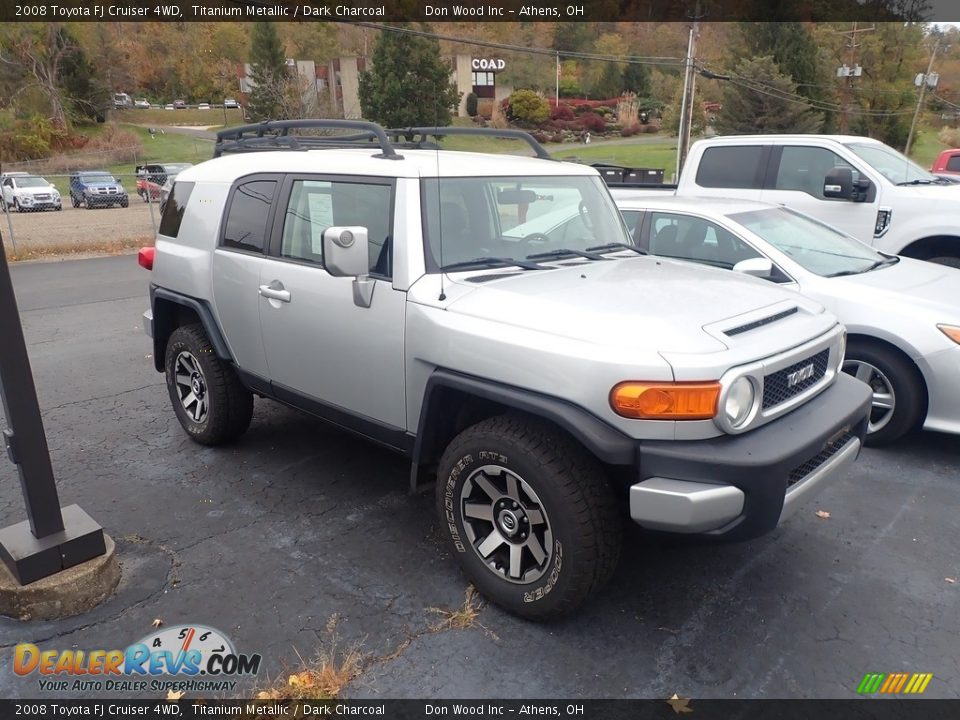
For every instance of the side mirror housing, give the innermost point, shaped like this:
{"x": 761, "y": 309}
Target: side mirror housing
{"x": 345, "y": 251}
{"x": 755, "y": 267}
{"x": 838, "y": 183}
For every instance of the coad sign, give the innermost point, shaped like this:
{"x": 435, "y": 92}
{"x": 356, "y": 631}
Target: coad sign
{"x": 491, "y": 64}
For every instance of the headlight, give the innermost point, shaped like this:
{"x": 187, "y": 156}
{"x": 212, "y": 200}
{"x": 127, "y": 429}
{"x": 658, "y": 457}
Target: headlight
{"x": 738, "y": 405}
{"x": 951, "y": 331}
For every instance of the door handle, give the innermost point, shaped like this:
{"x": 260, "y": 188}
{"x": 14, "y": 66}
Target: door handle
{"x": 275, "y": 291}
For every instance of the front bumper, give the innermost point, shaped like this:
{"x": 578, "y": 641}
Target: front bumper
{"x": 941, "y": 371}
{"x": 30, "y": 204}
{"x": 742, "y": 486}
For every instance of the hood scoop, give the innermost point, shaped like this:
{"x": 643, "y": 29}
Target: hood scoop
{"x": 491, "y": 276}
{"x": 754, "y": 324}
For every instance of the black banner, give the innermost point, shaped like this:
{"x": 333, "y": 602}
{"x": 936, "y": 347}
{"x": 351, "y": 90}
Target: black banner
{"x": 472, "y": 10}
{"x": 186, "y": 709}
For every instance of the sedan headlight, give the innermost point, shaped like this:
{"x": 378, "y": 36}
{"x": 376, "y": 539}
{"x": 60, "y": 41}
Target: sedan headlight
{"x": 738, "y": 404}
{"x": 951, "y": 331}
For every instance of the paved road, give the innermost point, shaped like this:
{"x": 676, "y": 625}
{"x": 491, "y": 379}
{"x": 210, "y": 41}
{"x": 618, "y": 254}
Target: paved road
{"x": 270, "y": 538}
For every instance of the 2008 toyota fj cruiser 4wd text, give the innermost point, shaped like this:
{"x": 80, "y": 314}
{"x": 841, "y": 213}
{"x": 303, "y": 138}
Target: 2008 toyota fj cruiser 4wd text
{"x": 487, "y": 316}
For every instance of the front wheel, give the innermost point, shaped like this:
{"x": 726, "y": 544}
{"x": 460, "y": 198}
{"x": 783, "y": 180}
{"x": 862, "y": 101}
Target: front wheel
{"x": 899, "y": 396}
{"x": 125, "y": 202}
{"x": 529, "y": 516}
{"x": 208, "y": 398}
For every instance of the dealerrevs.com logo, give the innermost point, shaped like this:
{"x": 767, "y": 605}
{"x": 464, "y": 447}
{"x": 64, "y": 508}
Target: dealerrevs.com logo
{"x": 187, "y": 658}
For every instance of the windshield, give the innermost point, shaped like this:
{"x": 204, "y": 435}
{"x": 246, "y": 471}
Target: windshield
{"x": 516, "y": 217}
{"x": 100, "y": 178}
{"x": 32, "y": 182}
{"x": 814, "y": 246}
{"x": 174, "y": 168}
{"x": 897, "y": 168}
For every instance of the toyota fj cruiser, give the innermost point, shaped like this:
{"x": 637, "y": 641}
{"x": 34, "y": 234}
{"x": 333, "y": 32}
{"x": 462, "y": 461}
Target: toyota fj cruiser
{"x": 487, "y": 316}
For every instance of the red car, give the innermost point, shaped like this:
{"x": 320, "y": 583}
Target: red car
{"x": 947, "y": 162}
{"x": 151, "y": 178}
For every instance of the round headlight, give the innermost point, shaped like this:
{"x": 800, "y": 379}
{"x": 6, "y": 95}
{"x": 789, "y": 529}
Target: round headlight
{"x": 739, "y": 401}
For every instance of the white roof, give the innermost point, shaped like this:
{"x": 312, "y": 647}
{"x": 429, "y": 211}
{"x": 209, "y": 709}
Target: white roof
{"x": 696, "y": 205}
{"x": 776, "y": 139}
{"x": 362, "y": 161}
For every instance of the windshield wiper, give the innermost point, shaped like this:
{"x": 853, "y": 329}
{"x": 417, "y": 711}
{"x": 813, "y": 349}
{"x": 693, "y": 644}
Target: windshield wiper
{"x": 491, "y": 262}
{"x": 918, "y": 181}
{"x": 617, "y": 246}
{"x": 565, "y": 252}
{"x": 892, "y": 260}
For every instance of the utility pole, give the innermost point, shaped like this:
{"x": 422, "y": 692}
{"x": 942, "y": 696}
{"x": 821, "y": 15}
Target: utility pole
{"x": 851, "y": 71}
{"x": 686, "y": 104}
{"x": 924, "y": 80}
{"x": 557, "y": 87}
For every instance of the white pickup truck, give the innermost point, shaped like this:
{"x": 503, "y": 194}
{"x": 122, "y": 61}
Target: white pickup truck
{"x": 856, "y": 184}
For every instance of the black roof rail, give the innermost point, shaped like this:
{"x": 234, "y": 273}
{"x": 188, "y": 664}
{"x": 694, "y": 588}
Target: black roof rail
{"x": 424, "y": 132}
{"x": 275, "y": 135}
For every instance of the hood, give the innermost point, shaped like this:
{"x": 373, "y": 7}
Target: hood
{"x": 641, "y": 303}
{"x": 935, "y": 193}
{"x": 923, "y": 283}
{"x": 36, "y": 191}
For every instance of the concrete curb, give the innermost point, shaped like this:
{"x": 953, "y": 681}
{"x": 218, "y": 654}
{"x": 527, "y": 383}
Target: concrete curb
{"x": 70, "y": 592}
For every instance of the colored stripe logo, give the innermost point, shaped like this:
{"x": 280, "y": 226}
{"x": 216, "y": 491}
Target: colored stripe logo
{"x": 894, "y": 683}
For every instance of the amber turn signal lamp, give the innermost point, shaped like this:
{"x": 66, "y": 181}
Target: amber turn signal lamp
{"x": 951, "y": 331}
{"x": 665, "y": 401}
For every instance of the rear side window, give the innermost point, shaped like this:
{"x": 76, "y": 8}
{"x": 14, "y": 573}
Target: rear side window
{"x": 173, "y": 211}
{"x": 731, "y": 167}
{"x": 953, "y": 163}
{"x": 246, "y": 227}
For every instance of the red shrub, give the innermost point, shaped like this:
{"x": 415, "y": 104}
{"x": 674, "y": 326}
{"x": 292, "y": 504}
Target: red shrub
{"x": 561, "y": 112}
{"x": 592, "y": 122}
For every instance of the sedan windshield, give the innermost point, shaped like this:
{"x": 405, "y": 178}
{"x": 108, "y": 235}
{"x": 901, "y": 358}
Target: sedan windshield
{"x": 897, "y": 168}
{"x": 98, "y": 178}
{"x": 519, "y": 218}
{"x": 814, "y": 246}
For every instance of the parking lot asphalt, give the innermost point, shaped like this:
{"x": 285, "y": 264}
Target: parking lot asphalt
{"x": 298, "y": 523}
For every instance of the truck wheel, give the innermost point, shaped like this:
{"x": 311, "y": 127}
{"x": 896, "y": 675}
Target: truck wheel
{"x": 529, "y": 516}
{"x": 125, "y": 202}
{"x": 946, "y": 260}
{"x": 74, "y": 201}
{"x": 208, "y": 398}
{"x": 898, "y": 391}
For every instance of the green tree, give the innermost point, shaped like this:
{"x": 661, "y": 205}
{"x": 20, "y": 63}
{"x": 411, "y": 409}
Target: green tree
{"x": 636, "y": 79}
{"x": 527, "y": 107}
{"x": 571, "y": 36}
{"x": 610, "y": 83}
{"x": 268, "y": 71}
{"x": 87, "y": 97}
{"x": 409, "y": 83}
{"x": 764, "y": 100}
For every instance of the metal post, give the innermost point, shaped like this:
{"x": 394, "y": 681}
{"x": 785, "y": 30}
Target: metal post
{"x": 51, "y": 539}
{"x": 557, "y": 87}
{"x": 13, "y": 240}
{"x": 683, "y": 134}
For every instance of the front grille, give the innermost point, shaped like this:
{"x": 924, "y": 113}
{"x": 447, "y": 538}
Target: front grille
{"x": 41, "y": 197}
{"x": 105, "y": 191}
{"x": 776, "y": 385}
{"x": 829, "y": 450}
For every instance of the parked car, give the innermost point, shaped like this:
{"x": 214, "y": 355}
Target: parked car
{"x": 857, "y": 184}
{"x": 142, "y": 103}
{"x": 382, "y": 292}
{"x": 947, "y": 162}
{"x": 28, "y": 193}
{"x": 902, "y": 315}
{"x": 203, "y": 106}
{"x": 179, "y": 104}
{"x": 231, "y": 103}
{"x": 96, "y": 188}
{"x": 167, "y": 187}
{"x": 152, "y": 177}
{"x": 121, "y": 101}
{"x": 169, "y": 106}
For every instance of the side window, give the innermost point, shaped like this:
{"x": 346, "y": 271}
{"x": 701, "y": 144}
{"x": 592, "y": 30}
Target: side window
{"x": 246, "y": 227}
{"x": 953, "y": 163}
{"x": 632, "y": 218}
{"x": 804, "y": 169}
{"x": 691, "y": 238}
{"x": 173, "y": 211}
{"x": 733, "y": 166}
{"x": 316, "y": 205}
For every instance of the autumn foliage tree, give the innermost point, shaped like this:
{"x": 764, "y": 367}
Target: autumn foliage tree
{"x": 268, "y": 71}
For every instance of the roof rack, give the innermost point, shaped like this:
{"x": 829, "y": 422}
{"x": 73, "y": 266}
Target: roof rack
{"x": 424, "y": 132}
{"x": 275, "y": 135}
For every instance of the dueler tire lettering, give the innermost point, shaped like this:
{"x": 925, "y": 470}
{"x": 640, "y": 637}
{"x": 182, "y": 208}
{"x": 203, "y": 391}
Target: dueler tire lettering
{"x": 507, "y": 484}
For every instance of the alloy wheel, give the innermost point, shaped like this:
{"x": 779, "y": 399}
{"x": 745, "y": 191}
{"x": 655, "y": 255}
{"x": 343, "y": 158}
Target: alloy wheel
{"x": 191, "y": 386}
{"x": 884, "y": 398}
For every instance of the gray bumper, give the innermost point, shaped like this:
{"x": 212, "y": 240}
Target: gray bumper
{"x": 148, "y": 323}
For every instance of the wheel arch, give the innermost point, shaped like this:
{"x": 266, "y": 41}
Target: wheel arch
{"x": 875, "y": 341}
{"x": 172, "y": 310}
{"x": 453, "y": 401}
{"x": 932, "y": 246}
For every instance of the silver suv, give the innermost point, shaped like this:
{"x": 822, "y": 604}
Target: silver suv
{"x": 488, "y": 317}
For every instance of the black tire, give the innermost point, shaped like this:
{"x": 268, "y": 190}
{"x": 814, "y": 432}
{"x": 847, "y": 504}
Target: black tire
{"x": 229, "y": 405}
{"x": 142, "y": 194}
{"x": 902, "y": 377}
{"x": 17, "y": 206}
{"x": 125, "y": 202}
{"x": 947, "y": 260}
{"x": 563, "y": 492}
{"x": 74, "y": 201}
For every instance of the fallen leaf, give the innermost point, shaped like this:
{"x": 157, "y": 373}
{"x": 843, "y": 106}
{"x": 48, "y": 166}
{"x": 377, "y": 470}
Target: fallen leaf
{"x": 157, "y": 622}
{"x": 174, "y": 694}
{"x": 952, "y": 581}
{"x": 822, "y": 514}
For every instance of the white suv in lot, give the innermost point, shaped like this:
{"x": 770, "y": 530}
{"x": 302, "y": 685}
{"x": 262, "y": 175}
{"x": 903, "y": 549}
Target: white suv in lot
{"x": 28, "y": 193}
{"x": 551, "y": 381}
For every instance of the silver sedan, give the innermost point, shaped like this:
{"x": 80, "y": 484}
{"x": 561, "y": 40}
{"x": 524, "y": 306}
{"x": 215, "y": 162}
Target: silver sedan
{"x": 902, "y": 315}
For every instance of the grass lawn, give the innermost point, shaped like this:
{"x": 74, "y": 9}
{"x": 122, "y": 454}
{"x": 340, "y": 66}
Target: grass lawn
{"x": 190, "y": 116}
{"x": 662, "y": 155}
{"x": 926, "y": 147}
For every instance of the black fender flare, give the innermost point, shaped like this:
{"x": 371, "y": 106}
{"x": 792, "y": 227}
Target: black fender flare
{"x": 164, "y": 323}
